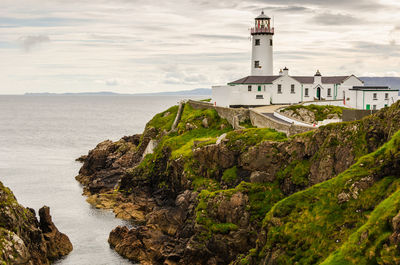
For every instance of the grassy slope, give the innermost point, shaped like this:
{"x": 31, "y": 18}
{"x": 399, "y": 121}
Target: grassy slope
{"x": 309, "y": 225}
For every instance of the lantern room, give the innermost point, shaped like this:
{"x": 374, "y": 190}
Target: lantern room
{"x": 262, "y": 25}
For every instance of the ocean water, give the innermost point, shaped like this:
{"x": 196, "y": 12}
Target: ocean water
{"x": 40, "y": 137}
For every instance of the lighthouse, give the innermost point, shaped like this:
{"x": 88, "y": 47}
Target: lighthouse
{"x": 262, "y": 46}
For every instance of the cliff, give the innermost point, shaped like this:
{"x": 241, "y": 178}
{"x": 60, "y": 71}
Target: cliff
{"x": 207, "y": 194}
{"x": 24, "y": 239}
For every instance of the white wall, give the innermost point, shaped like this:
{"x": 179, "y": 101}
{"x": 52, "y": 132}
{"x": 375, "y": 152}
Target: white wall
{"x": 359, "y": 99}
{"x": 220, "y": 95}
{"x": 226, "y": 96}
{"x": 286, "y": 97}
{"x": 262, "y": 53}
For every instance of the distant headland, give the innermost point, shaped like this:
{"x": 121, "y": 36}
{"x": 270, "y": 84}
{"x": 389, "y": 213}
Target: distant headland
{"x": 197, "y": 91}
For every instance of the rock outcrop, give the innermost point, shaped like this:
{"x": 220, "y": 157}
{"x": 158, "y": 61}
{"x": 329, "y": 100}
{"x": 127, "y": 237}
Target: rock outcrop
{"x": 202, "y": 195}
{"x": 24, "y": 239}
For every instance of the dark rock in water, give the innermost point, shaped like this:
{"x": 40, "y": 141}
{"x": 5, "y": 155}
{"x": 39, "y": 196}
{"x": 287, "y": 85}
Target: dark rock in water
{"x": 24, "y": 240}
{"x": 58, "y": 244}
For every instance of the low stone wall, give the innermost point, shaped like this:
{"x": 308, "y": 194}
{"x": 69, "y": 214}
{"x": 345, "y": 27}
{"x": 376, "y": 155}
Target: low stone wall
{"x": 356, "y": 114}
{"x": 234, "y": 116}
{"x": 261, "y": 121}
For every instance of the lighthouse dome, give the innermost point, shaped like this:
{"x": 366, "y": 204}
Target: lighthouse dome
{"x": 263, "y": 16}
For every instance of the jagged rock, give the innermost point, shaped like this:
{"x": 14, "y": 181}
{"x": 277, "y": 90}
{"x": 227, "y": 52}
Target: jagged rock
{"x": 343, "y": 197}
{"x": 129, "y": 211}
{"x": 261, "y": 177}
{"x": 58, "y": 244}
{"x": 25, "y": 240}
{"x": 170, "y": 232}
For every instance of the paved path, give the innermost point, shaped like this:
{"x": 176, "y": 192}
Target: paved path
{"x": 269, "y": 112}
{"x": 268, "y": 109}
{"x": 272, "y": 117}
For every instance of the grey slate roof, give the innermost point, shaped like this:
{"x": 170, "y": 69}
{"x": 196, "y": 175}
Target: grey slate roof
{"x": 383, "y": 88}
{"x": 325, "y": 79}
{"x": 301, "y": 79}
{"x": 255, "y": 80}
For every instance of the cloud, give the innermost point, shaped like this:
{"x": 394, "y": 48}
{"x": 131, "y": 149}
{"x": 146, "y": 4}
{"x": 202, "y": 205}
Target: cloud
{"x": 111, "y": 82}
{"x": 290, "y": 9}
{"x": 329, "y": 19}
{"x": 29, "y": 42}
{"x": 217, "y": 36}
{"x": 177, "y": 76}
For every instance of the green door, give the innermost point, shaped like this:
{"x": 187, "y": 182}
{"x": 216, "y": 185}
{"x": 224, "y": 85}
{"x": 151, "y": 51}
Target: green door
{"x": 259, "y": 88}
{"x": 318, "y": 93}
{"x": 368, "y": 107}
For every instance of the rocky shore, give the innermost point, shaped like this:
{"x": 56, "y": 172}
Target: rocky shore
{"x": 24, "y": 239}
{"x": 207, "y": 194}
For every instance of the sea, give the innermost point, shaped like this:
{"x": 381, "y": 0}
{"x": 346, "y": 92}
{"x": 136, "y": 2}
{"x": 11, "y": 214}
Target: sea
{"x": 40, "y": 138}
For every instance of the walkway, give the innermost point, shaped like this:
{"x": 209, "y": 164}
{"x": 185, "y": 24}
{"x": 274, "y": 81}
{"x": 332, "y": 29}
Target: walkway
{"x": 271, "y": 116}
{"x": 269, "y": 112}
{"x": 268, "y": 109}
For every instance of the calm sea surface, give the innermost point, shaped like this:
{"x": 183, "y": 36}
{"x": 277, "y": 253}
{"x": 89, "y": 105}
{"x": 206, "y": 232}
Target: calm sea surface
{"x": 40, "y": 137}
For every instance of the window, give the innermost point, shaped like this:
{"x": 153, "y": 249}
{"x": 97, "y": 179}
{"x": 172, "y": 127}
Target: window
{"x": 256, "y": 64}
{"x": 249, "y": 88}
{"x": 329, "y": 92}
{"x": 375, "y": 96}
{"x": 374, "y": 107}
{"x": 386, "y": 95}
{"x": 270, "y": 42}
{"x": 279, "y": 89}
{"x": 257, "y": 42}
{"x": 259, "y": 88}
{"x": 292, "y": 89}
{"x": 259, "y": 97}
{"x": 306, "y": 92}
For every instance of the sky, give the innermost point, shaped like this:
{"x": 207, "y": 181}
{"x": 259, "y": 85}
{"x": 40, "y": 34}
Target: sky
{"x": 141, "y": 46}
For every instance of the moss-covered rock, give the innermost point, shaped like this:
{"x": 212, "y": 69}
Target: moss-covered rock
{"x": 25, "y": 240}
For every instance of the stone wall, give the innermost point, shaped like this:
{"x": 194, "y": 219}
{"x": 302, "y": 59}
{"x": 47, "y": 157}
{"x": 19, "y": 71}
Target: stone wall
{"x": 236, "y": 115}
{"x": 356, "y": 114}
{"x": 233, "y": 116}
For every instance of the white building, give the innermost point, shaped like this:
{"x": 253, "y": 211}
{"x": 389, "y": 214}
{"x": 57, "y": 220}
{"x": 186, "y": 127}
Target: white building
{"x": 370, "y": 97}
{"x": 264, "y": 88}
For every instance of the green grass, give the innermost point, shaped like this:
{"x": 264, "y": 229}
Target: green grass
{"x": 230, "y": 175}
{"x": 297, "y": 171}
{"x": 311, "y": 224}
{"x": 370, "y": 244}
{"x": 261, "y": 198}
{"x": 163, "y": 120}
{"x": 241, "y": 140}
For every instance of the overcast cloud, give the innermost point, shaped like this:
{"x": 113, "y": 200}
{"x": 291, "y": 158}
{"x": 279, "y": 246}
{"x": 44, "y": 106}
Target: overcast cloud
{"x": 136, "y": 46}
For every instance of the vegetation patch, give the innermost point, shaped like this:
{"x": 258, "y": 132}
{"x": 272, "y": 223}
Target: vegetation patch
{"x": 241, "y": 140}
{"x": 297, "y": 171}
{"x": 311, "y": 224}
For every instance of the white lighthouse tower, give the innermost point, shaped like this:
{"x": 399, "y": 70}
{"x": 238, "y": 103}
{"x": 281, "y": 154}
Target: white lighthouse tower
{"x": 262, "y": 44}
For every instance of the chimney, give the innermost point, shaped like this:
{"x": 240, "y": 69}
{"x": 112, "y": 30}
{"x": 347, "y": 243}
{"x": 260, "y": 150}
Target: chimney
{"x": 317, "y": 78}
{"x": 285, "y": 71}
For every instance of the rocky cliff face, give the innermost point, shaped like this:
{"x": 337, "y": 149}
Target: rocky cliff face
{"x": 24, "y": 239}
{"x": 209, "y": 195}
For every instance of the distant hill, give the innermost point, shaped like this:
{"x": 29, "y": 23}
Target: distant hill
{"x": 198, "y": 91}
{"x": 393, "y": 82}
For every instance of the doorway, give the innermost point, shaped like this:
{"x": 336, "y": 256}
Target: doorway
{"x": 318, "y": 93}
